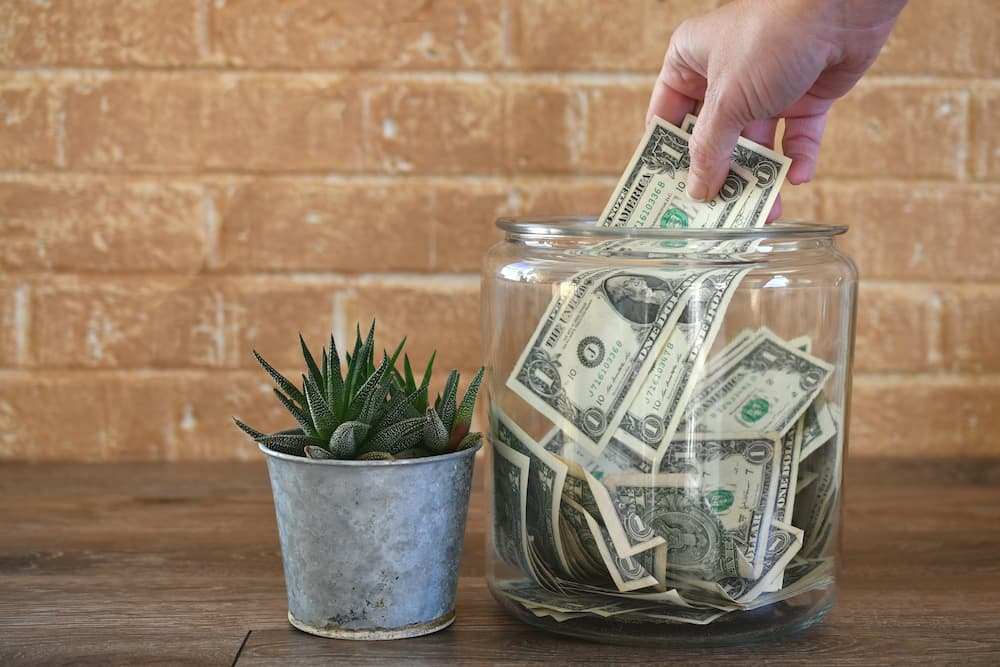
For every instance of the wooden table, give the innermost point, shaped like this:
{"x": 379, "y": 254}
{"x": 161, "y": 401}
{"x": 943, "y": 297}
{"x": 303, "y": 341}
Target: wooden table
{"x": 179, "y": 563}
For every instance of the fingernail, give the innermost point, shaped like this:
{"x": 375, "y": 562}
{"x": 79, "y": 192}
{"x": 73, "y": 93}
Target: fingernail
{"x": 696, "y": 188}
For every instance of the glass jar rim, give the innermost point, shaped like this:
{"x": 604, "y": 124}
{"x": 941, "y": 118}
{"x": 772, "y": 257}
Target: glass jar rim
{"x": 586, "y": 226}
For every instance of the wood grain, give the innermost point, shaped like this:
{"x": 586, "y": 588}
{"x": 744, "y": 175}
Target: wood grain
{"x": 179, "y": 563}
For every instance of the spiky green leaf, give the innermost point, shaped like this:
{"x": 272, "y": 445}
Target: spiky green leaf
{"x": 360, "y": 398}
{"x": 397, "y": 437}
{"x": 426, "y": 381}
{"x": 410, "y": 383}
{"x": 357, "y": 370}
{"x": 376, "y": 456}
{"x": 396, "y": 408}
{"x": 314, "y": 452}
{"x": 289, "y": 444}
{"x": 418, "y": 400}
{"x": 314, "y": 373}
{"x": 375, "y": 403}
{"x": 252, "y": 432}
{"x": 470, "y": 440}
{"x": 334, "y": 380}
{"x": 322, "y": 417}
{"x": 463, "y": 416}
{"x": 345, "y": 441}
{"x": 302, "y": 417}
{"x": 435, "y": 434}
{"x": 284, "y": 383}
{"x": 449, "y": 400}
{"x": 394, "y": 375}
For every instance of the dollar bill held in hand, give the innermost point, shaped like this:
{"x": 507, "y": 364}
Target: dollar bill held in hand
{"x": 769, "y": 170}
{"x": 598, "y": 338}
{"x": 651, "y": 191}
{"x": 766, "y": 388}
{"x": 653, "y": 416}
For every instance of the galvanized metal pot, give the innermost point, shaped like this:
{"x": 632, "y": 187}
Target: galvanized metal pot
{"x": 371, "y": 549}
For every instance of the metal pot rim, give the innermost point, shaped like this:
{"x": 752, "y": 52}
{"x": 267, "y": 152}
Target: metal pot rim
{"x": 370, "y": 464}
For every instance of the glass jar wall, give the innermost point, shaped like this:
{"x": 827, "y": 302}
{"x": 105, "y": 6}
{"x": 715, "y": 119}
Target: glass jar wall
{"x": 668, "y": 421}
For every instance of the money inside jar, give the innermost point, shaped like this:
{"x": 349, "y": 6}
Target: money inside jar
{"x": 681, "y": 480}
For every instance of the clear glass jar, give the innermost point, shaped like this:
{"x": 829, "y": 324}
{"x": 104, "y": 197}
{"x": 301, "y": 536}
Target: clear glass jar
{"x": 668, "y": 422}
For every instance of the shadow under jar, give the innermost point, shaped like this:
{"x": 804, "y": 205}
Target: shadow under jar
{"x": 668, "y": 424}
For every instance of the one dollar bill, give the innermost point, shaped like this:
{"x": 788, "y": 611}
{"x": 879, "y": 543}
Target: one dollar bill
{"x": 598, "y": 339}
{"x": 651, "y": 191}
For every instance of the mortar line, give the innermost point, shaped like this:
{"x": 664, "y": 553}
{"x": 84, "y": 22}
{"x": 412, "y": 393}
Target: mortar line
{"x": 22, "y": 323}
{"x": 201, "y": 28}
{"x": 348, "y": 280}
{"x": 502, "y": 72}
{"x": 33, "y": 373}
{"x": 489, "y": 177}
{"x": 505, "y": 50}
{"x": 210, "y": 226}
{"x": 59, "y": 127}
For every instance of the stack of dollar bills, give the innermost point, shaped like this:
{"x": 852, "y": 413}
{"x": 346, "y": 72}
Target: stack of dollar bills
{"x": 673, "y": 487}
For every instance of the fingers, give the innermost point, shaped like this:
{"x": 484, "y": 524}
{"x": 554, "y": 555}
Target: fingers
{"x": 762, "y": 131}
{"x": 668, "y": 103}
{"x": 801, "y": 143}
{"x": 677, "y": 89}
{"x": 711, "y": 146}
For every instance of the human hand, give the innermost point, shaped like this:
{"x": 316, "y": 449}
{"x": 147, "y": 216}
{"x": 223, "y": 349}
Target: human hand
{"x": 751, "y": 62}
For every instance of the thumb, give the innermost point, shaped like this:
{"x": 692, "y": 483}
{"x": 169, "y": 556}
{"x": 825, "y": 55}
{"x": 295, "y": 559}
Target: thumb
{"x": 711, "y": 146}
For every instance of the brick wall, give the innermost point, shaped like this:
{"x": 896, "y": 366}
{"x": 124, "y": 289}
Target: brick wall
{"x": 181, "y": 180}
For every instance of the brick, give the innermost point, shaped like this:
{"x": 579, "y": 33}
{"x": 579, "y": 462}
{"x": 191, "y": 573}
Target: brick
{"x": 984, "y": 144}
{"x": 28, "y": 132}
{"x": 591, "y": 34}
{"x": 910, "y": 416}
{"x": 89, "y": 322}
{"x": 359, "y": 226}
{"x": 928, "y": 38}
{"x": 553, "y": 197}
{"x": 898, "y": 328}
{"x": 886, "y": 130}
{"x": 972, "y": 327}
{"x": 580, "y": 129}
{"x": 984, "y": 37}
{"x": 575, "y": 128}
{"x": 134, "y": 416}
{"x": 801, "y": 202}
{"x": 917, "y": 231}
{"x": 268, "y": 313}
{"x": 101, "y": 32}
{"x": 165, "y": 122}
{"x": 434, "y": 314}
{"x": 383, "y": 34}
{"x": 71, "y": 224}
{"x": 957, "y": 38}
{"x": 436, "y": 127}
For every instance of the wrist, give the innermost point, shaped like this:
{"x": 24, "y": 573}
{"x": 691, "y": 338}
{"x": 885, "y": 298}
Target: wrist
{"x": 856, "y": 28}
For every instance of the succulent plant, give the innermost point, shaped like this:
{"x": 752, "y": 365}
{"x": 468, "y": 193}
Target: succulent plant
{"x": 368, "y": 412}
